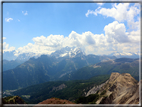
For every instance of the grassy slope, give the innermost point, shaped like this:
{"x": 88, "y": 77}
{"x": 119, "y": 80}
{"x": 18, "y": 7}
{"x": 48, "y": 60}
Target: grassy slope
{"x": 73, "y": 90}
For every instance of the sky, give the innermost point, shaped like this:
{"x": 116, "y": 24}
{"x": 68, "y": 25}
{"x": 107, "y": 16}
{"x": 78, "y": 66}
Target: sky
{"x": 97, "y": 28}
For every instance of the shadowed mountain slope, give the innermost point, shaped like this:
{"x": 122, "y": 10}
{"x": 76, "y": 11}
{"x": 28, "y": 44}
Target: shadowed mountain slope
{"x": 122, "y": 65}
{"x": 45, "y": 68}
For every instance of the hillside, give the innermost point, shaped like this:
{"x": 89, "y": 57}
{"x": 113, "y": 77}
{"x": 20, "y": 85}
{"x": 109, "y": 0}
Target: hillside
{"x": 121, "y": 65}
{"x": 69, "y": 90}
{"x": 11, "y": 64}
{"x": 45, "y": 68}
{"x": 116, "y": 89}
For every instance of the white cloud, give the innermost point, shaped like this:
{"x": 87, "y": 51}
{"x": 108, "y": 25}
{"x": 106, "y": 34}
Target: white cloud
{"x": 18, "y": 20}
{"x": 116, "y": 32}
{"x": 120, "y": 12}
{"x": 25, "y": 13}
{"x": 8, "y": 19}
{"x": 4, "y": 38}
{"x": 100, "y": 4}
{"x": 116, "y": 39}
{"x": 7, "y": 48}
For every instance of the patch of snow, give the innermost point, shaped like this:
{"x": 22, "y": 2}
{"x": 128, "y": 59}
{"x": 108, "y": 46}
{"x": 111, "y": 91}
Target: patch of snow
{"x": 129, "y": 54}
{"x": 64, "y": 54}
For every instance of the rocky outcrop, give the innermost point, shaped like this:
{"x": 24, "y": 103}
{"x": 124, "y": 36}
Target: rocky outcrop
{"x": 60, "y": 87}
{"x": 120, "y": 89}
{"x": 95, "y": 89}
{"x": 13, "y": 100}
{"x": 56, "y": 101}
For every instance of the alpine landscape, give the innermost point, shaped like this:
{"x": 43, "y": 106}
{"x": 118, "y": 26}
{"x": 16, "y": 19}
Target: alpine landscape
{"x": 99, "y": 65}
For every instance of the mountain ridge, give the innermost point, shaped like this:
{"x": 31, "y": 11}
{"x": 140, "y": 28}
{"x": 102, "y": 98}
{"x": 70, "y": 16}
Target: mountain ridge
{"x": 63, "y": 52}
{"x": 120, "y": 65}
{"x": 43, "y": 69}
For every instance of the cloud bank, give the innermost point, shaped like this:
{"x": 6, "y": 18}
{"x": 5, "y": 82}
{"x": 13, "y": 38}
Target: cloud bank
{"x": 115, "y": 39}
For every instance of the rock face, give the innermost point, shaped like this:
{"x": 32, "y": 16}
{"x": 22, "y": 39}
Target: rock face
{"x": 120, "y": 89}
{"x": 60, "y": 87}
{"x": 95, "y": 89}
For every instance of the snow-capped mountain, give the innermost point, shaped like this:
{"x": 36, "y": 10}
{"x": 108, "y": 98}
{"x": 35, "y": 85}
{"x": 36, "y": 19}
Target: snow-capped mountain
{"x": 76, "y": 52}
{"x": 68, "y": 52}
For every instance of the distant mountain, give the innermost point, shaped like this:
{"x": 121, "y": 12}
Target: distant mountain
{"x": 11, "y": 64}
{"x": 31, "y": 72}
{"x": 21, "y": 57}
{"x": 68, "y": 52}
{"x": 44, "y": 68}
{"x": 49, "y": 68}
{"x": 121, "y": 65}
{"x": 9, "y": 55}
{"x": 27, "y": 56}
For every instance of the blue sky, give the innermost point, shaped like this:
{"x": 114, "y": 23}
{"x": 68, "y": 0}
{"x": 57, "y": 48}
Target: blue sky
{"x": 49, "y": 18}
{"x": 43, "y": 28}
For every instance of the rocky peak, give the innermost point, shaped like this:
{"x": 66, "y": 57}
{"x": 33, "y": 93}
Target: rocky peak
{"x": 120, "y": 89}
{"x": 68, "y": 52}
{"x": 124, "y": 79}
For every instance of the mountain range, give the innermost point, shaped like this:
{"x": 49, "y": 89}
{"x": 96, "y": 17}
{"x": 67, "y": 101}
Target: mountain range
{"x": 66, "y": 51}
{"x": 65, "y": 64}
{"x": 70, "y": 70}
{"x": 47, "y": 68}
{"x": 120, "y": 65}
